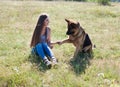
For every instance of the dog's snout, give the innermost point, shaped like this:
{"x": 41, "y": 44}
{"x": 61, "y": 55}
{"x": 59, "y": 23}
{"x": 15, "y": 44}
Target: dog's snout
{"x": 69, "y": 33}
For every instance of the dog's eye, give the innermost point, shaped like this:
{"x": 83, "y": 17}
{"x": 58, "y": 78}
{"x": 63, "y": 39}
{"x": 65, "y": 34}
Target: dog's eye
{"x": 70, "y": 27}
{"x": 73, "y": 26}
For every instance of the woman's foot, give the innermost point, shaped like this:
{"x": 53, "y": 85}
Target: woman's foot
{"x": 47, "y": 63}
{"x": 54, "y": 62}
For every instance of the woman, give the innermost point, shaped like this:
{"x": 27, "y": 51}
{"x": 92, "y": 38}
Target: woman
{"x": 41, "y": 42}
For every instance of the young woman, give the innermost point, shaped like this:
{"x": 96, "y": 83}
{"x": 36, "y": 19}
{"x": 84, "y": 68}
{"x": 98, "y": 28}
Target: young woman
{"x": 41, "y": 43}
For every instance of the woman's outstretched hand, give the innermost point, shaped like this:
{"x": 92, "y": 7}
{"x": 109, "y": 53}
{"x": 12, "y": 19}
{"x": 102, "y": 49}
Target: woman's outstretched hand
{"x": 51, "y": 46}
{"x": 59, "y": 42}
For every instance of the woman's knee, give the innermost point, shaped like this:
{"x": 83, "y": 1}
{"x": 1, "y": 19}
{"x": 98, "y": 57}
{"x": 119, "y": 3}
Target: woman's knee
{"x": 39, "y": 45}
{"x": 44, "y": 44}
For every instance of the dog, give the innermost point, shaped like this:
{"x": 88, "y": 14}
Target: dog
{"x": 78, "y": 37}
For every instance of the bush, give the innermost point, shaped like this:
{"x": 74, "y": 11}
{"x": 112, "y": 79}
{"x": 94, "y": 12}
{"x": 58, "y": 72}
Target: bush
{"x": 79, "y": 0}
{"x": 104, "y": 2}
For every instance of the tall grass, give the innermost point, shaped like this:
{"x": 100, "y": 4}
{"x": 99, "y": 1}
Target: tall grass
{"x": 19, "y": 69}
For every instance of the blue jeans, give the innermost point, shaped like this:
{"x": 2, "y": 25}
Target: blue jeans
{"x": 43, "y": 50}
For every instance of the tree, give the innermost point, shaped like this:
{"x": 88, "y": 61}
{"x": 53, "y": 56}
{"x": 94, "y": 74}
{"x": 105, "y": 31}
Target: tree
{"x": 104, "y": 2}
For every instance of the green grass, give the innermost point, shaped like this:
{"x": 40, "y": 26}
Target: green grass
{"x": 19, "y": 69}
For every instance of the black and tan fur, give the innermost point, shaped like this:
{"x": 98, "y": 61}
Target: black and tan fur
{"x": 78, "y": 37}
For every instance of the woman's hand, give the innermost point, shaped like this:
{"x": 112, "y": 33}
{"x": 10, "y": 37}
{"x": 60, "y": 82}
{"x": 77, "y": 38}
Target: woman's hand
{"x": 59, "y": 42}
{"x": 51, "y": 46}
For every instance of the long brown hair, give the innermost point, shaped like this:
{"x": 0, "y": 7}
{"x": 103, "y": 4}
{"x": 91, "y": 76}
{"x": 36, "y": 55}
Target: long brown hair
{"x": 38, "y": 29}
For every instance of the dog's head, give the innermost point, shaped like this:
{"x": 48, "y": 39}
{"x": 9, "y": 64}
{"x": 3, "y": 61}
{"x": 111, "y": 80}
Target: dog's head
{"x": 73, "y": 27}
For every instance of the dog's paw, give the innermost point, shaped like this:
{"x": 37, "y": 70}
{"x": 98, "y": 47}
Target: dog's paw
{"x": 59, "y": 43}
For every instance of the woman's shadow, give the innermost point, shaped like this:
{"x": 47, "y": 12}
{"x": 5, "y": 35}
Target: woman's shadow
{"x": 35, "y": 59}
{"x": 81, "y": 62}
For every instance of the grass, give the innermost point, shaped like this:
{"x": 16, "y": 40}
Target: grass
{"x": 19, "y": 69}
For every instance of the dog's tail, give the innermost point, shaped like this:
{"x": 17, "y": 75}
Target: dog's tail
{"x": 94, "y": 46}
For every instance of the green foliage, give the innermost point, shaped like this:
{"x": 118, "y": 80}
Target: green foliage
{"x": 80, "y": 0}
{"x": 104, "y": 2}
{"x": 81, "y": 62}
{"x": 16, "y": 80}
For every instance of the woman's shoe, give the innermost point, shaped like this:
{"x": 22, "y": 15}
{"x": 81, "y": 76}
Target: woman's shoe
{"x": 47, "y": 63}
{"x": 54, "y": 62}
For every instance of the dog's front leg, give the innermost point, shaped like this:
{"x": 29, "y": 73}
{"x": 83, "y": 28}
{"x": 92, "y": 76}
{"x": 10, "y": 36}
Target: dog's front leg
{"x": 76, "y": 52}
{"x": 64, "y": 41}
{"x": 67, "y": 41}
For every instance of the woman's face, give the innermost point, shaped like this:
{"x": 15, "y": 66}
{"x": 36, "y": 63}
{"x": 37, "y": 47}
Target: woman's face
{"x": 46, "y": 21}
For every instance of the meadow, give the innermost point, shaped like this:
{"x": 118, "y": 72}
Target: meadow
{"x": 19, "y": 69}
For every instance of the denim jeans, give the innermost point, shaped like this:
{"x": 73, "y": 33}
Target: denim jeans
{"x": 43, "y": 50}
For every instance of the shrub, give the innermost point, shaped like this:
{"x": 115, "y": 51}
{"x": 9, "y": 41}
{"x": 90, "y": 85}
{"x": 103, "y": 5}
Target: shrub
{"x": 80, "y": 0}
{"x": 104, "y": 2}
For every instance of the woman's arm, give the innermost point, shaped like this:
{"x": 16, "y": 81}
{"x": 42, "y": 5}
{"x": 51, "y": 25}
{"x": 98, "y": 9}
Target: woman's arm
{"x": 50, "y": 43}
{"x": 49, "y": 38}
{"x": 48, "y": 35}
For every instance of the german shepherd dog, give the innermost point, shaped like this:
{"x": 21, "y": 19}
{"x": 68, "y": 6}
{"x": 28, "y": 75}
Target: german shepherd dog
{"x": 78, "y": 37}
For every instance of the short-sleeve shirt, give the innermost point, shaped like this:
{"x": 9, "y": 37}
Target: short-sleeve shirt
{"x": 43, "y": 38}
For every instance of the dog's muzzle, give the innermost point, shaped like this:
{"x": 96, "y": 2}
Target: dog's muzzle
{"x": 69, "y": 33}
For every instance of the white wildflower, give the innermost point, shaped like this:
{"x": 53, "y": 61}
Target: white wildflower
{"x": 101, "y": 75}
{"x": 16, "y": 69}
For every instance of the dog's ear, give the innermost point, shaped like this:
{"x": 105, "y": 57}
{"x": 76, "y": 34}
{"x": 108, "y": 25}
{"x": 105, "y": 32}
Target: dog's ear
{"x": 78, "y": 24}
{"x": 68, "y": 21}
